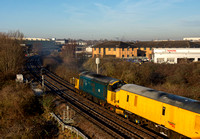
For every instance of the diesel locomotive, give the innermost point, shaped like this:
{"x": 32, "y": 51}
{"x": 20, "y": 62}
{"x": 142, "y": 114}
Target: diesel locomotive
{"x": 173, "y": 116}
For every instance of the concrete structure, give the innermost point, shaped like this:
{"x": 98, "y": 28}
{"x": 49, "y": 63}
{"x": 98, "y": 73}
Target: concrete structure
{"x": 194, "y": 39}
{"x": 61, "y": 41}
{"x": 175, "y": 55}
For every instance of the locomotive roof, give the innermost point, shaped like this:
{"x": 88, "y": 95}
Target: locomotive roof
{"x": 98, "y": 77}
{"x": 182, "y": 102}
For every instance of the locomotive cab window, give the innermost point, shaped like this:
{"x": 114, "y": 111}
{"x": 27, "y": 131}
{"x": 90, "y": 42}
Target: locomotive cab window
{"x": 116, "y": 85}
{"x": 163, "y": 111}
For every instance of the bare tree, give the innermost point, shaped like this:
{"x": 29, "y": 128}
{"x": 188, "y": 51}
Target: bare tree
{"x": 11, "y": 53}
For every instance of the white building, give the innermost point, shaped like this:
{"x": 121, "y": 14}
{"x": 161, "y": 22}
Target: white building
{"x": 174, "y": 55}
{"x": 194, "y": 39}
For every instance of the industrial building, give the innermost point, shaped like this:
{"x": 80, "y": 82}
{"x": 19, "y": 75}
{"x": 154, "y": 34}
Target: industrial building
{"x": 175, "y": 55}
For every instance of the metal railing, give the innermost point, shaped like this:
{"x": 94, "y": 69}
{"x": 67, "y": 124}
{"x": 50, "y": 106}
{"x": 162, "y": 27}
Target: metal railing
{"x": 64, "y": 126}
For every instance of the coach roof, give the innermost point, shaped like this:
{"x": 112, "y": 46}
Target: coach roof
{"x": 178, "y": 101}
{"x": 98, "y": 77}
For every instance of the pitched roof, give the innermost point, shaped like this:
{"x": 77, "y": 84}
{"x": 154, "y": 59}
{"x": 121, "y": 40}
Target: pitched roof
{"x": 154, "y": 44}
{"x": 167, "y": 44}
{"x": 113, "y": 44}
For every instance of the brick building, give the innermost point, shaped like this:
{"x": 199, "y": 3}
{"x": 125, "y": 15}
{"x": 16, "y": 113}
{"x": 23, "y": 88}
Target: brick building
{"x": 116, "y": 49}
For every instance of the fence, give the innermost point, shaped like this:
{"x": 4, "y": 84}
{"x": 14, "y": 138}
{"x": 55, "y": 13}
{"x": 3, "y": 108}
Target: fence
{"x": 71, "y": 128}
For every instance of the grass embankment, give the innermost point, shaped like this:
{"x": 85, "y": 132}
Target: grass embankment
{"x": 22, "y": 114}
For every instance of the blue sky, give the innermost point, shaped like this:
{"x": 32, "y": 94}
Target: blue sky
{"x": 102, "y": 19}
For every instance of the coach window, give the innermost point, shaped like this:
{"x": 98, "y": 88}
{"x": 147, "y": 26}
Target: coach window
{"x": 135, "y": 102}
{"x": 163, "y": 111}
{"x": 127, "y": 98}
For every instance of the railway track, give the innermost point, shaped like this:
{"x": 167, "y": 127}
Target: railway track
{"x": 110, "y": 122}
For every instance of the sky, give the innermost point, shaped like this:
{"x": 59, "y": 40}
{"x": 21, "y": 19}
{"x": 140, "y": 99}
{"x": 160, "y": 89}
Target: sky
{"x": 102, "y": 19}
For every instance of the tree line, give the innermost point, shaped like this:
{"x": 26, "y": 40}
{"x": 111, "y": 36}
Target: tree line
{"x": 11, "y": 53}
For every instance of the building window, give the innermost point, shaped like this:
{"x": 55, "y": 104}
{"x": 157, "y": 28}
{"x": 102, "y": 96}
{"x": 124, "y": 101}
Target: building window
{"x": 122, "y": 49}
{"x": 138, "y": 48}
{"x": 127, "y": 55}
{"x": 170, "y": 60}
{"x": 99, "y": 50}
{"x": 150, "y": 48}
{"x": 128, "y": 49}
{"x": 122, "y": 55}
{"x": 94, "y": 49}
{"x": 108, "y": 49}
{"x": 144, "y": 48}
{"x": 132, "y": 55}
{"x": 114, "y": 49}
{"x": 132, "y": 49}
{"x": 160, "y": 60}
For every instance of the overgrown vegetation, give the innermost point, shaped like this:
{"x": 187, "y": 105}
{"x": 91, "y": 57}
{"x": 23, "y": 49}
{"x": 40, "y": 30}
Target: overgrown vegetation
{"x": 21, "y": 113}
{"x": 180, "y": 79}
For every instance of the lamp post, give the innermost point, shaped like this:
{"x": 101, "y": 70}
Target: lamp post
{"x": 97, "y": 62}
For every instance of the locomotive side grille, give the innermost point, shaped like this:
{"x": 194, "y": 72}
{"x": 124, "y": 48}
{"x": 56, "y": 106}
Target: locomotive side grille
{"x": 113, "y": 96}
